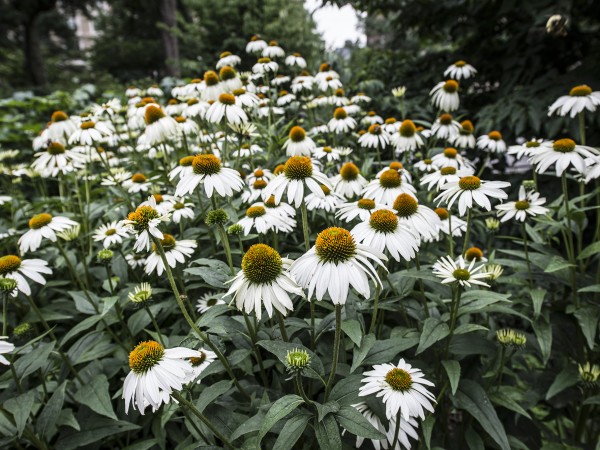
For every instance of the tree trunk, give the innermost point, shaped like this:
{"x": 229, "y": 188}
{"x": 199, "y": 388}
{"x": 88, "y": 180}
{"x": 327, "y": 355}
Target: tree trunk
{"x": 34, "y": 62}
{"x": 168, "y": 10}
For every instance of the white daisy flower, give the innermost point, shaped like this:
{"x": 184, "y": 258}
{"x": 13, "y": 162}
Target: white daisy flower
{"x": 226, "y": 107}
{"x": 273, "y": 50}
{"x": 184, "y": 168}
{"x": 372, "y": 118}
{"x": 492, "y": 142}
{"x": 154, "y": 91}
{"x": 246, "y": 99}
{"x": 361, "y": 208}
{"x": 474, "y": 254}
{"x": 469, "y": 189}
{"x": 383, "y": 231}
{"x": 527, "y": 148}
{"x": 181, "y": 209}
{"x": 407, "y": 138}
{"x": 208, "y": 170}
{"x": 349, "y": 182}
{"x": 460, "y": 70}
{"x": 228, "y": 59}
{"x": 56, "y": 159}
{"x": 137, "y": 183}
{"x": 202, "y": 361}
{"x": 450, "y": 157}
{"x": 265, "y": 65}
{"x": 335, "y": 263}
{"x": 387, "y": 187}
{"x": 327, "y": 153}
{"x": 440, "y": 177}
{"x": 445, "y": 96}
{"x": 295, "y": 59}
{"x": 298, "y": 143}
{"x": 43, "y": 226}
{"x": 133, "y": 91}
{"x": 460, "y": 272}
{"x": 360, "y": 98}
{"x": 135, "y": 260}
{"x": 579, "y": 99}
{"x": 155, "y": 373}
{"x": 5, "y": 347}
{"x": 420, "y": 219}
{"x": 176, "y": 251}
{"x": 374, "y": 137}
{"x": 90, "y": 133}
{"x": 61, "y": 127}
{"x": 159, "y": 126}
{"x": 338, "y": 98}
{"x": 195, "y": 108}
{"x": 563, "y": 153}
{"x": 465, "y": 137}
{"x": 302, "y": 83}
{"x": 285, "y": 98}
{"x": 263, "y": 219}
{"x": 297, "y": 175}
{"x": 144, "y": 222}
{"x": 445, "y": 127}
{"x": 256, "y": 45}
{"x": 459, "y": 226}
{"x": 264, "y": 280}
{"x": 529, "y": 204}
{"x": 425, "y": 165}
{"x": 328, "y": 203}
{"x": 398, "y": 167}
{"x": 390, "y": 126}
{"x": 207, "y": 301}
{"x": 15, "y": 268}
{"x": 212, "y": 86}
{"x": 402, "y": 388}
{"x": 188, "y": 128}
{"x": 341, "y": 122}
{"x": 110, "y": 234}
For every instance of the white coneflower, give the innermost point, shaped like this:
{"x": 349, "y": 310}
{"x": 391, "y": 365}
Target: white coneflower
{"x": 212, "y": 86}
{"x": 349, "y": 182}
{"x": 246, "y": 99}
{"x": 154, "y": 91}
{"x": 5, "y": 347}
{"x": 230, "y": 79}
{"x": 390, "y": 126}
{"x": 460, "y": 272}
{"x": 298, "y": 143}
{"x": 420, "y": 219}
{"x": 133, "y": 91}
{"x": 341, "y": 122}
{"x": 107, "y": 109}
{"x": 527, "y": 148}
{"x": 176, "y": 251}
{"x": 328, "y": 203}
{"x": 579, "y": 99}
{"x": 398, "y": 167}
{"x": 135, "y": 260}
{"x": 265, "y": 65}
{"x": 492, "y": 142}
{"x": 465, "y": 137}
{"x": 372, "y": 118}
{"x": 137, "y": 183}
{"x": 529, "y": 204}
{"x": 298, "y": 174}
{"x": 264, "y": 280}
{"x": 159, "y": 126}
{"x": 228, "y": 59}
{"x": 360, "y": 97}
{"x": 460, "y": 70}
{"x": 338, "y": 98}
{"x": 208, "y": 170}
{"x": 90, "y": 133}
{"x": 15, "y": 268}
{"x": 56, "y": 159}
{"x": 469, "y": 189}
{"x": 445, "y": 127}
{"x": 451, "y": 157}
{"x": 110, "y": 233}
{"x": 440, "y": 177}
{"x": 226, "y": 107}
{"x": 285, "y": 98}
{"x": 174, "y": 107}
{"x": 562, "y": 153}
{"x": 273, "y": 50}
{"x": 184, "y": 168}
{"x": 189, "y": 128}
{"x": 387, "y": 187}
{"x": 207, "y": 301}
{"x": 459, "y": 226}
{"x": 144, "y": 222}
{"x": 259, "y": 174}
{"x": 201, "y": 361}
{"x": 329, "y": 82}
{"x": 402, "y": 388}
{"x": 288, "y": 212}
{"x": 181, "y": 209}
{"x": 361, "y": 208}
{"x": 407, "y": 138}
{"x": 195, "y": 108}
{"x": 374, "y": 137}
{"x": 141, "y": 293}
{"x": 425, "y": 165}
{"x": 43, "y": 226}
{"x": 61, "y": 127}
{"x": 295, "y": 59}
{"x": 302, "y": 83}
{"x": 155, "y": 373}
{"x": 383, "y": 231}
{"x": 256, "y": 45}
{"x": 399, "y": 91}
{"x": 263, "y": 219}
{"x": 327, "y": 153}
{"x": 335, "y": 263}
{"x": 445, "y": 96}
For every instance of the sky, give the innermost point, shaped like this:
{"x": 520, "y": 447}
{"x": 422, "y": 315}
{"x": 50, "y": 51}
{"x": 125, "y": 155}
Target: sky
{"x": 336, "y": 25}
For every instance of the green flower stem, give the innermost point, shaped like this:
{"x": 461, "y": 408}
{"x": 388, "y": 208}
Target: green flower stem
{"x": 421, "y": 287}
{"x": 375, "y": 306}
{"x": 397, "y": 430}
{"x": 300, "y": 388}
{"x": 569, "y": 241}
{"x": 191, "y": 323}
{"x": 582, "y": 127}
{"x": 177, "y": 396}
{"x": 526, "y": 248}
{"x": 259, "y": 360}
{"x": 456, "y": 294}
{"x": 281, "y": 321}
{"x": 483, "y": 166}
{"x": 336, "y": 349}
{"x": 118, "y": 309}
{"x": 305, "y": 228}
{"x": 467, "y": 233}
{"x": 4, "y": 298}
{"x": 450, "y": 235}
{"x": 227, "y": 247}
{"x": 155, "y": 324}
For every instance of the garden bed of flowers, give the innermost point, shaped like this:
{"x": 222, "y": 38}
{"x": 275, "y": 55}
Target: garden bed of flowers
{"x": 258, "y": 259}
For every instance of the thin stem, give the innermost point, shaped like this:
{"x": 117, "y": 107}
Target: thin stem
{"x": 451, "y": 234}
{"x": 305, "y": 228}
{"x": 397, "y": 430}
{"x": 336, "y": 349}
{"x": 227, "y": 247}
{"x": 281, "y": 321}
{"x": 154, "y": 324}
{"x": 526, "y": 248}
{"x": 4, "y": 298}
{"x": 375, "y": 306}
{"x": 300, "y": 388}
{"x": 569, "y": 241}
{"x": 421, "y": 287}
{"x": 195, "y": 411}
{"x": 468, "y": 232}
{"x": 582, "y": 127}
{"x": 259, "y": 360}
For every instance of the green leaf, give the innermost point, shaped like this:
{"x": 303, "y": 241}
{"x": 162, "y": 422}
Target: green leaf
{"x": 291, "y": 432}
{"x": 590, "y": 250}
{"x": 33, "y": 360}
{"x": 81, "y": 326}
{"x": 433, "y": 331}
{"x": 252, "y": 424}
{"x": 361, "y": 353}
{"x": 46, "y": 421}
{"x": 509, "y": 398}
{"x": 67, "y": 419}
{"x": 352, "y": 330}
{"x": 472, "y": 398}
{"x": 543, "y": 332}
{"x": 568, "y": 377}
{"x": 211, "y": 393}
{"x": 591, "y": 288}
{"x": 95, "y": 396}
{"x": 327, "y": 408}
{"x": 469, "y": 328}
{"x": 94, "y": 430}
{"x": 345, "y": 392}
{"x": 427, "y": 425}
{"x": 20, "y": 407}
{"x": 474, "y": 441}
{"x": 386, "y": 350}
{"x": 453, "y": 370}
{"x": 328, "y": 434}
{"x": 278, "y": 411}
{"x": 537, "y": 297}
{"x": 215, "y": 277}
{"x": 588, "y": 321}
{"x": 353, "y": 421}
{"x": 557, "y": 263}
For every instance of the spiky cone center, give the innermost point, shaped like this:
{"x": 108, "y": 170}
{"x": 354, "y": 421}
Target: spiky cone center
{"x": 399, "y": 379}
{"x": 297, "y": 359}
{"x": 427, "y": 161}
{"x": 349, "y": 171}
{"x": 522, "y": 205}
{"x": 206, "y": 164}
{"x": 270, "y": 202}
{"x": 180, "y": 119}
{"x": 142, "y": 217}
{"x": 280, "y": 168}
{"x": 259, "y": 184}
{"x": 469, "y": 183}
{"x": 178, "y": 205}
{"x": 335, "y": 245}
{"x": 383, "y": 221}
{"x": 339, "y": 92}
{"x": 186, "y": 161}
{"x": 390, "y": 121}
{"x": 375, "y": 129}
{"x": 153, "y": 114}
{"x": 407, "y": 128}
{"x": 193, "y": 101}
{"x": 461, "y": 274}
{"x": 264, "y": 60}
{"x": 442, "y": 213}
{"x": 298, "y": 168}
{"x": 448, "y": 170}
{"x": 195, "y": 361}
{"x": 366, "y": 203}
{"x": 390, "y": 179}
{"x": 173, "y": 101}
{"x": 564, "y": 145}
{"x": 238, "y": 92}
{"x": 87, "y": 125}
{"x": 139, "y": 178}
{"x": 396, "y": 165}
{"x": 371, "y": 114}
{"x": 325, "y": 189}
{"x": 255, "y": 38}
{"x": 406, "y": 205}
{"x": 227, "y": 99}
{"x": 580, "y": 91}
{"x": 340, "y": 114}
{"x": 327, "y": 150}
{"x": 59, "y": 116}
{"x": 110, "y": 232}
{"x": 466, "y": 127}
{"x": 532, "y": 144}
{"x": 9, "y": 263}
{"x": 261, "y": 264}
{"x": 259, "y": 173}
{"x": 227, "y": 73}
{"x": 446, "y": 119}
{"x": 495, "y": 135}
{"x": 324, "y": 67}
{"x": 255, "y": 211}
{"x": 450, "y": 152}
{"x": 297, "y": 134}
{"x": 56, "y": 148}
{"x": 450, "y": 86}
{"x": 39, "y": 221}
{"x": 273, "y": 44}
{"x": 460, "y": 63}
{"x": 168, "y": 242}
{"x": 473, "y": 253}
{"x": 283, "y": 93}
{"x": 145, "y": 356}
{"x": 211, "y": 78}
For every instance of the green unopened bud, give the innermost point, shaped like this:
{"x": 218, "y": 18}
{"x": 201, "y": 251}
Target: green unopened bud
{"x": 511, "y": 338}
{"x": 493, "y": 270}
{"x": 141, "y": 293}
{"x": 7, "y": 285}
{"x": 104, "y": 256}
{"x": 492, "y": 224}
{"x": 589, "y": 373}
{"x": 529, "y": 185}
{"x": 297, "y": 360}
{"x": 235, "y": 230}
{"x": 217, "y": 217}
{"x": 70, "y": 234}
{"x": 22, "y": 329}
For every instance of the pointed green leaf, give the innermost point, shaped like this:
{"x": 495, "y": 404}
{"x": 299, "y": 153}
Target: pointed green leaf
{"x": 95, "y": 396}
{"x": 352, "y": 330}
{"x": 353, "y": 421}
{"x": 46, "y": 421}
{"x": 453, "y": 371}
{"x": 433, "y": 331}
{"x": 291, "y": 432}
{"x": 20, "y": 407}
{"x": 278, "y": 411}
